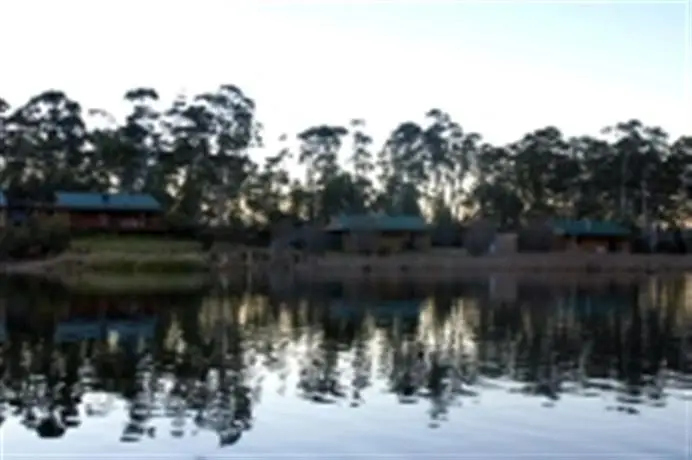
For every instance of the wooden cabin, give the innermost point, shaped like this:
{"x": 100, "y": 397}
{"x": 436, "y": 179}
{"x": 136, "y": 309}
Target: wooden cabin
{"x": 84, "y": 210}
{"x": 379, "y": 233}
{"x": 590, "y": 236}
{"x": 114, "y": 212}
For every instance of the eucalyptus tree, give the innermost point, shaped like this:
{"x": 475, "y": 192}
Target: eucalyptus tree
{"x": 319, "y": 150}
{"x": 426, "y": 163}
{"x": 13, "y": 164}
{"x": 592, "y": 191}
{"x": 266, "y": 188}
{"x": 402, "y": 166}
{"x": 679, "y": 173}
{"x": 494, "y": 194}
{"x": 45, "y": 141}
{"x": 443, "y": 155}
{"x": 140, "y": 138}
{"x": 197, "y": 155}
{"x": 210, "y": 135}
{"x": 534, "y": 161}
{"x": 362, "y": 160}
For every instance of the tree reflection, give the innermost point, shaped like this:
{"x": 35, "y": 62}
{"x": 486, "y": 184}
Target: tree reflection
{"x": 206, "y": 362}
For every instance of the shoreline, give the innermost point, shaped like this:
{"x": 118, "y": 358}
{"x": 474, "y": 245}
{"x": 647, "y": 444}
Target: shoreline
{"x": 115, "y": 272}
{"x": 449, "y": 267}
{"x": 426, "y": 267}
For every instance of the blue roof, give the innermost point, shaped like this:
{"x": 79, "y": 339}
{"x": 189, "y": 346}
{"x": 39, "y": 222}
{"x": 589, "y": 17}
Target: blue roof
{"x": 81, "y": 330}
{"x": 382, "y": 222}
{"x": 589, "y": 228}
{"x": 3, "y": 199}
{"x": 78, "y": 330}
{"x": 106, "y": 201}
{"x": 145, "y": 328}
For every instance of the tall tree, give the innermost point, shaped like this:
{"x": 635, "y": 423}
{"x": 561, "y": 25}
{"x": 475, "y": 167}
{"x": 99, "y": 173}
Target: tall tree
{"x": 203, "y": 157}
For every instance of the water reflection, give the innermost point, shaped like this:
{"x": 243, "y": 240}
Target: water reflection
{"x": 184, "y": 365}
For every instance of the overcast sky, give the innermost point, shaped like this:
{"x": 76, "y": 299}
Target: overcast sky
{"x": 500, "y": 68}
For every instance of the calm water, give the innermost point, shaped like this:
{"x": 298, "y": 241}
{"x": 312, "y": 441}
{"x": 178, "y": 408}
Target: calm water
{"x": 339, "y": 372}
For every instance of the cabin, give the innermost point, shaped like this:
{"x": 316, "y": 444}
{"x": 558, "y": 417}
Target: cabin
{"x": 379, "y": 233}
{"x": 84, "y": 210}
{"x": 590, "y": 236}
{"x": 109, "y": 211}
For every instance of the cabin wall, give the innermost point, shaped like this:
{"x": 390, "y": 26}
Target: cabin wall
{"x": 506, "y": 243}
{"x": 90, "y": 220}
{"x": 386, "y": 242}
{"x": 87, "y": 220}
{"x": 591, "y": 244}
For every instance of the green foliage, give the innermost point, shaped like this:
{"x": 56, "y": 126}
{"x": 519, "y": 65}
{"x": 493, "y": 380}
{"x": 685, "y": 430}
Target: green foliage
{"x": 195, "y": 157}
{"x": 127, "y": 283}
{"x": 479, "y": 237}
{"x": 52, "y": 232}
{"x": 39, "y": 237}
{"x": 132, "y": 264}
{"x": 135, "y": 245}
{"x": 445, "y": 231}
{"x": 535, "y": 236}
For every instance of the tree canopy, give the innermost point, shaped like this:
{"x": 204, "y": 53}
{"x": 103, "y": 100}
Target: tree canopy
{"x": 199, "y": 158}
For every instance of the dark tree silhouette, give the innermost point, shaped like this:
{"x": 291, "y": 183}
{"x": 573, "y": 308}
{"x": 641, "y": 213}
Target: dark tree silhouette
{"x": 198, "y": 157}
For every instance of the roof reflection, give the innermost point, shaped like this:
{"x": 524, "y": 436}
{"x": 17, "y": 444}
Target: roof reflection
{"x": 205, "y": 362}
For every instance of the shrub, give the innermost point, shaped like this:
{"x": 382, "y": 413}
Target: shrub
{"x": 535, "y": 236}
{"x": 51, "y": 233}
{"x": 16, "y": 243}
{"x": 479, "y": 237}
{"x": 132, "y": 244}
{"x": 38, "y": 237}
{"x": 127, "y": 264}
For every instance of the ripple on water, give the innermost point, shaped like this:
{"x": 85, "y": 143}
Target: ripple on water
{"x": 282, "y": 379}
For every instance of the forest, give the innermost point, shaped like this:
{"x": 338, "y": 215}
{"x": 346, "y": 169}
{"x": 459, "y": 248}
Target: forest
{"x": 203, "y": 158}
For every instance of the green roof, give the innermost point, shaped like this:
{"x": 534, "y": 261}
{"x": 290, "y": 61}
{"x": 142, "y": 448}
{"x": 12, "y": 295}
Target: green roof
{"x": 588, "y": 228}
{"x": 381, "y": 222}
{"x": 92, "y": 201}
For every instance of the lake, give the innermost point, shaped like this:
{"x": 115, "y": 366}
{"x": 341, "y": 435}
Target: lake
{"x": 469, "y": 370}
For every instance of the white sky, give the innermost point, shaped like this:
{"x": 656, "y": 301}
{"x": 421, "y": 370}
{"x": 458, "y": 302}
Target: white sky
{"x": 500, "y": 69}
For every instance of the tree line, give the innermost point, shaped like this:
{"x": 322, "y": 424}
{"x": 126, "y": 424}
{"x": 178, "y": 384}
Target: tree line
{"x": 198, "y": 157}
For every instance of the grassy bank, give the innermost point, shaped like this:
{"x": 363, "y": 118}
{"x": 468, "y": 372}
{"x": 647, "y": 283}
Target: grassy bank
{"x": 134, "y": 245}
{"x": 137, "y": 255}
{"x": 110, "y": 283}
{"x": 142, "y": 264}
{"x": 123, "y": 264}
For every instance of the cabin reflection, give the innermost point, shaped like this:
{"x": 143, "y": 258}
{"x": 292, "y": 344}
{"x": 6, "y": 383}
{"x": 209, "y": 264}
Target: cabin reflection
{"x": 178, "y": 367}
{"x": 106, "y": 319}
